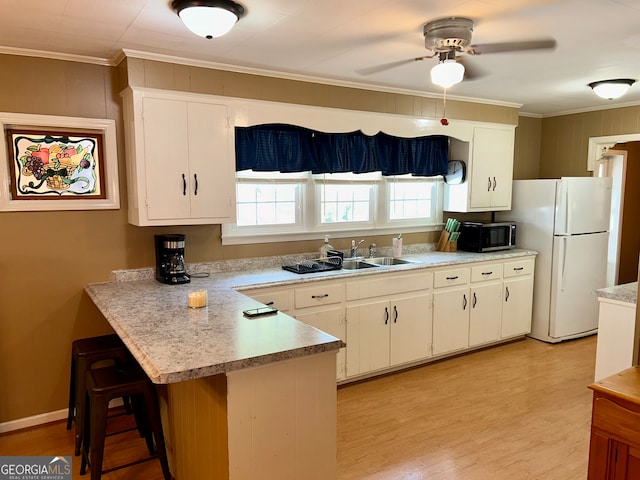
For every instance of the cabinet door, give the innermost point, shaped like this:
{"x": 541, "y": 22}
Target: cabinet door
{"x": 166, "y": 159}
{"x": 368, "y": 335}
{"x": 331, "y": 321}
{"x": 411, "y": 326}
{"x": 450, "y": 320}
{"x": 492, "y": 168}
{"x": 485, "y": 314}
{"x": 517, "y": 304}
{"x": 211, "y": 180}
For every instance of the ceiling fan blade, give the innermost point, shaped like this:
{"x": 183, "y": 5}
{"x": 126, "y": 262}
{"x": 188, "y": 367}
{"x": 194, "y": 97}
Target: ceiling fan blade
{"x": 389, "y": 66}
{"x": 471, "y": 72}
{"x": 540, "y": 44}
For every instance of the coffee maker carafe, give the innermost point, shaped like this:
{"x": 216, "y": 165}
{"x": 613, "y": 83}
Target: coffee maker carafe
{"x": 170, "y": 259}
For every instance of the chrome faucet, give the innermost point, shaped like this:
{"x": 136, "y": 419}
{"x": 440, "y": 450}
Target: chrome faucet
{"x": 372, "y": 250}
{"x": 354, "y": 247}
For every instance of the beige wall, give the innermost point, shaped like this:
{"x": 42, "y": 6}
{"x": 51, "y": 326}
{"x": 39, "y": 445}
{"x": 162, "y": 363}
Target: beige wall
{"x": 526, "y": 157}
{"x": 565, "y": 139}
{"x": 48, "y": 257}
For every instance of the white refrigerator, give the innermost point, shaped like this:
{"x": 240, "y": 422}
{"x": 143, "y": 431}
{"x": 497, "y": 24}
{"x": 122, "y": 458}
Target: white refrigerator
{"x": 566, "y": 221}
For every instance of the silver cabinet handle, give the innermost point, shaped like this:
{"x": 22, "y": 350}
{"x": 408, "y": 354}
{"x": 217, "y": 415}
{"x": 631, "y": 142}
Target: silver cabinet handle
{"x": 506, "y": 296}
{"x": 489, "y": 184}
{"x": 495, "y": 184}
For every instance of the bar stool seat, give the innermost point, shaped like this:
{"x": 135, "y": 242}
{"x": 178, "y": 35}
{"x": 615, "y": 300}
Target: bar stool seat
{"x": 84, "y": 353}
{"x": 103, "y": 385}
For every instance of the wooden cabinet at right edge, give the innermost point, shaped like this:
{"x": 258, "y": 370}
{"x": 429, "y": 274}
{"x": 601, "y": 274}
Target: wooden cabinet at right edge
{"x": 614, "y": 452}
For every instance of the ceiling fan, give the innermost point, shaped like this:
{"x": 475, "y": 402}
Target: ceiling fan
{"x": 446, "y": 37}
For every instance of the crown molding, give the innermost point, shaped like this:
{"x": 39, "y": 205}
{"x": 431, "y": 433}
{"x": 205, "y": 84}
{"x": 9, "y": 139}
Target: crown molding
{"x": 25, "y": 52}
{"x": 304, "y": 78}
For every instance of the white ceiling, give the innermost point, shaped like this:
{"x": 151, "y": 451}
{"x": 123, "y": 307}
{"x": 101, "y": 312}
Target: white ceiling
{"x": 332, "y": 40}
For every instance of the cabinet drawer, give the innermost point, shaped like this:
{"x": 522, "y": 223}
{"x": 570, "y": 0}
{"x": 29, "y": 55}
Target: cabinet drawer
{"x": 519, "y": 267}
{"x": 486, "y": 272}
{"x": 612, "y": 417}
{"x": 389, "y": 285}
{"x": 320, "y": 294}
{"x": 280, "y": 299}
{"x": 447, "y": 278}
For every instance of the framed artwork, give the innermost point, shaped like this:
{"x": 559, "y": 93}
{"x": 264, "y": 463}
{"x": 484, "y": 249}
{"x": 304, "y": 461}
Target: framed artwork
{"x": 58, "y": 163}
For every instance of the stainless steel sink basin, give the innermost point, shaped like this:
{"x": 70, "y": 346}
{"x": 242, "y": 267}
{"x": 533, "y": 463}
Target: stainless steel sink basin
{"x": 356, "y": 265}
{"x": 387, "y": 261}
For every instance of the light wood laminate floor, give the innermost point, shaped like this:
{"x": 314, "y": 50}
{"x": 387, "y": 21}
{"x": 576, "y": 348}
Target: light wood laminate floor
{"x": 513, "y": 412}
{"x": 518, "y": 411}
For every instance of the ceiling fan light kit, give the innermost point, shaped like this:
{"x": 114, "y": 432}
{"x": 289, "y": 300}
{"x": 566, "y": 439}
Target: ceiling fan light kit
{"x": 611, "y": 89}
{"x": 447, "y": 73}
{"x": 208, "y": 18}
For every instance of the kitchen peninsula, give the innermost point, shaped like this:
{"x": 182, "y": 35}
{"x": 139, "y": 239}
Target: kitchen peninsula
{"x": 250, "y": 399}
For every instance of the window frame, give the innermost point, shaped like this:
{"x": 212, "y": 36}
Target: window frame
{"x": 309, "y": 225}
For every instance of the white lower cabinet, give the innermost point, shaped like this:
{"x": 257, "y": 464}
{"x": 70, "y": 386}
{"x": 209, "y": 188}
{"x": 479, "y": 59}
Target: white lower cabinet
{"x": 399, "y": 318}
{"x": 485, "y": 314}
{"x": 450, "y": 320}
{"x": 517, "y": 297}
{"x": 329, "y": 320}
{"x": 386, "y": 333}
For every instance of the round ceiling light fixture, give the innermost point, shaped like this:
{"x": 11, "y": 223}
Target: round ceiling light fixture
{"x": 611, "y": 89}
{"x": 208, "y": 18}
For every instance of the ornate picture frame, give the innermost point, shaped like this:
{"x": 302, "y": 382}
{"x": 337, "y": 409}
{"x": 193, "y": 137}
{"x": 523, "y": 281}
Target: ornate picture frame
{"x": 58, "y": 163}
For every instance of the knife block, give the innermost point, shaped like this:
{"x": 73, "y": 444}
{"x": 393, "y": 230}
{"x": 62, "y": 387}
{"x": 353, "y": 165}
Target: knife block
{"x": 444, "y": 245}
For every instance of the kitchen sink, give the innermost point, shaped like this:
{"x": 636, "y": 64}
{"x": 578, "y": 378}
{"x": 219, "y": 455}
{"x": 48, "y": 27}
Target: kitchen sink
{"x": 356, "y": 265}
{"x": 387, "y": 261}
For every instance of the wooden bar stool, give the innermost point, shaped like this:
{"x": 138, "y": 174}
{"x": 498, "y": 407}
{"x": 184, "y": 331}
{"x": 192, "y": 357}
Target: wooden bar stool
{"x": 84, "y": 353}
{"x": 103, "y": 385}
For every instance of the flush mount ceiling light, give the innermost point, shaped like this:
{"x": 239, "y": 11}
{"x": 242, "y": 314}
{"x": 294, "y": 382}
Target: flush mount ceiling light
{"x": 208, "y": 18}
{"x": 448, "y": 72}
{"x": 611, "y": 89}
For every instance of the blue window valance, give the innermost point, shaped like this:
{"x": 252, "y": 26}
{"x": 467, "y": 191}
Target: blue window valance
{"x": 287, "y": 148}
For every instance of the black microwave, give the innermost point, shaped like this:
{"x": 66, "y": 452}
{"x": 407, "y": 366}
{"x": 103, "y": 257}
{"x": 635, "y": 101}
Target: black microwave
{"x": 486, "y": 237}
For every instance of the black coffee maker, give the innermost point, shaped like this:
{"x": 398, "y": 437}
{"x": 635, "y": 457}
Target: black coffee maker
{"x": 170, "y": 259}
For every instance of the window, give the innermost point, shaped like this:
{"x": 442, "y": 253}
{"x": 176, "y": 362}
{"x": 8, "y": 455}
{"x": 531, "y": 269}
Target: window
{"x": 274, "y": 206}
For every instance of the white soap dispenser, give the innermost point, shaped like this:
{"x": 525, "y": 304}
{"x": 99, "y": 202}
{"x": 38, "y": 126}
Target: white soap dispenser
{"x": 324, "y": 249}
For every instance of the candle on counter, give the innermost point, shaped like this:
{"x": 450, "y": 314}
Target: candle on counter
{"x": 197, "y": 299}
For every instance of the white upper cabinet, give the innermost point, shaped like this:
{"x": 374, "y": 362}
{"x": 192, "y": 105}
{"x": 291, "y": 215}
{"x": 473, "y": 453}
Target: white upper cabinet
{"x": 180, "y": 162}
{"x": 489, "y": 175}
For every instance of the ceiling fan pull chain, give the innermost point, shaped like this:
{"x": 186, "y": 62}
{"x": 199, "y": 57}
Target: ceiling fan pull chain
{"x": 443, "y": 120}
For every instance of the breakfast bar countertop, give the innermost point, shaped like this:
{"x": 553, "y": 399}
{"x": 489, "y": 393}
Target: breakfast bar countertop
{"x": 626, "y": 293}
{"x": 174, "y": 343}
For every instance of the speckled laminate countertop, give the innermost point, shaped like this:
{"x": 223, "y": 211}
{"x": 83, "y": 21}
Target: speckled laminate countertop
{"x": 174, "y": 343}
{"x": 627, "y": 293}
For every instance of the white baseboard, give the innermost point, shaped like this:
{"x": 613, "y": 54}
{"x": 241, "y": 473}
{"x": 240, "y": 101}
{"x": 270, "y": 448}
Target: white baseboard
{"x": 27, "y": 422}
{"x": 43, "y": 418}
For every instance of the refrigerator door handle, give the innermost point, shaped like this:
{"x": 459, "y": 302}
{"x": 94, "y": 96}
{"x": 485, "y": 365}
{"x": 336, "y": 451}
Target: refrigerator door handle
{"x": 568, "y": 209}
{"x": 563, "y": 254}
